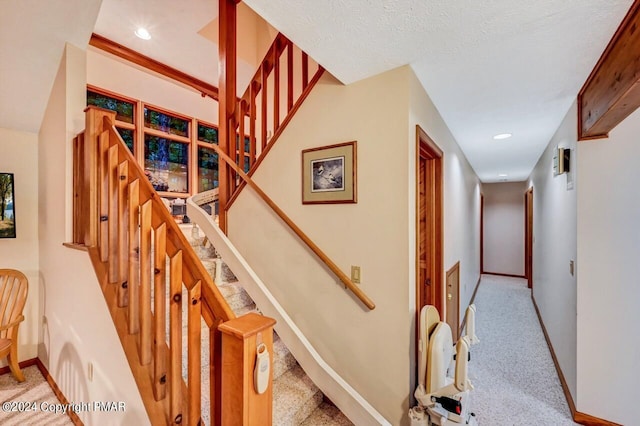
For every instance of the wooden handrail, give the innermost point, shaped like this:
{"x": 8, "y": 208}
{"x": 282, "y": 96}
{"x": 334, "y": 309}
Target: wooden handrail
{"x": 295, "y": 228}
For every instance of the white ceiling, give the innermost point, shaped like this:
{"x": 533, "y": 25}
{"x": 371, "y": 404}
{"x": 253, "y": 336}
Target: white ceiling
{"x": 32, "y": 38}
{"x": 490, "y": 66}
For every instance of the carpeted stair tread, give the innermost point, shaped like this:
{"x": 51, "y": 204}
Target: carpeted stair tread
{"x": 295, "y": 397}
{"x": 282, "y": 358}
{"x": 326, "y": 414}
{"x": 236, "y": 296}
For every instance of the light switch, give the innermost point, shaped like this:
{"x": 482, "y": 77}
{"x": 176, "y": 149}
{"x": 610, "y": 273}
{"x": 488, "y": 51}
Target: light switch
{"x": 355, "y": 274}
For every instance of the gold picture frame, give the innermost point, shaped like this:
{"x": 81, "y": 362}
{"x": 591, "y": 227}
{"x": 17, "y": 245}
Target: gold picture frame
{"x": 329, "y": 174}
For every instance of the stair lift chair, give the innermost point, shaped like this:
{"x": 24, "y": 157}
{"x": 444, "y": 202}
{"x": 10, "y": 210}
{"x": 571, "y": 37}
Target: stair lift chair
{"x": 446, "y": 400}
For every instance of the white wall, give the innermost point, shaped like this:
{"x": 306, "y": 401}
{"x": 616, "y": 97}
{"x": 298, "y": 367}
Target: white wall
{"x": 554, "y": 245}
{"x": 372, "y": 350}
{"x": 609, "y": 271}
{"x": 20, "y": 157}
{"x": 504, "y": 227}
{"x": 76, "y": 326}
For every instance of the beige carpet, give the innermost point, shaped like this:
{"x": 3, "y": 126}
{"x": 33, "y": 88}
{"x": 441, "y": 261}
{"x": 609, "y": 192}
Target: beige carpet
{"x": 515, "y": 381}
{"x": 34, "y": 389}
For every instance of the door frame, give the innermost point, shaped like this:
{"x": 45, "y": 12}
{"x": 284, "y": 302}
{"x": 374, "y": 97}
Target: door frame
{"x": 481, "y": 233}
{"x": 528, "y": 236}
{"x": 427, "y": 149}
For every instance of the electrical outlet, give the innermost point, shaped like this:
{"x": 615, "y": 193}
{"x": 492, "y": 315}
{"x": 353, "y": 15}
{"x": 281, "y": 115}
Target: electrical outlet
{"x": 355, "y": 274}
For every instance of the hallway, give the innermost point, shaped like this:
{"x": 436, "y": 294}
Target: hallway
{"x": 511, "y": 368}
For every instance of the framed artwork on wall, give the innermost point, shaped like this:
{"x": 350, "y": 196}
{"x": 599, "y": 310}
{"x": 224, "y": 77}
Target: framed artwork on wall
{"x": 7, "y": 206}
{"x": 329, "y": 174}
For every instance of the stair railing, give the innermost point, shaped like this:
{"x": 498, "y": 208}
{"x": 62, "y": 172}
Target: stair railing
{"x": 136, "y": 248}
{"x": 282, "y": 82}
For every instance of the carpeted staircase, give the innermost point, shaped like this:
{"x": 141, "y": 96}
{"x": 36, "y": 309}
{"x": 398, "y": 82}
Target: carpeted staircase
{"x": 296, "y": 399}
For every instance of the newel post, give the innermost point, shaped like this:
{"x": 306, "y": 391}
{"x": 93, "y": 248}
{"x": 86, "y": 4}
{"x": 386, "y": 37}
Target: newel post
{"x": 241, "y": 404}
{"x": 226, "y": 101}
{"x": 94, "y": 126}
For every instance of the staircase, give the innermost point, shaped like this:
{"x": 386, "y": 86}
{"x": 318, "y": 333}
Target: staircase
{"x": 297, "y": 400}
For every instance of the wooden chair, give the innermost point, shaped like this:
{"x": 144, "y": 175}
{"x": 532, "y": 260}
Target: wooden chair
{"x": 13, "y": 295}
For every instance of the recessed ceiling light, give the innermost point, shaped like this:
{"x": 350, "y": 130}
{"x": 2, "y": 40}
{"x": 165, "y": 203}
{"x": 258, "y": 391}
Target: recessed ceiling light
{"x": 502, "y": 136}
{"x": 143, "y": 33}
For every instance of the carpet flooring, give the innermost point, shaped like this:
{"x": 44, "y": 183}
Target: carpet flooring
{"x": 515, "y": 380}
{"x": 34, "y": 389}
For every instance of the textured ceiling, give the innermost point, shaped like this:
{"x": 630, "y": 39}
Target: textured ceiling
{"x": 490, "y": 66}
{"x": 32, "y": 39}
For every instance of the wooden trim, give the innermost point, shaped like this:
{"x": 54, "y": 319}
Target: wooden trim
{"x": 227, "y": 54}
{"x": 528, "y": 236}
{"x": 75, "y": 246}
{"x": 278, "y": 132}
{"x": 56, "y": 391}
{"x": 563, "y": 382}
{"x": 131, "y": 55}
{"x": 578, "y": 417}
{"x": 611, "y": 92}
{"x": 499, "y": 274}
{"x": 323, "y": 257}
{"x": 22, "y": 364}
{"x": 52, "y": 384}
{"x": 427, "y": 148}
{"x": 586, "y": 419}
{"x": 481, "y": 234}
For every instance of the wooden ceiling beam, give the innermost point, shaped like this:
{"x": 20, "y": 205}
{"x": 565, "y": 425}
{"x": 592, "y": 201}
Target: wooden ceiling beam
{"x": 130, "y": 55}
{"x": 612, "y": 91}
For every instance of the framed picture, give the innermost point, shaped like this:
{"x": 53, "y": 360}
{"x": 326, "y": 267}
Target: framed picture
{"x": 7, "y": 206}
{"x": 329, "y": 174}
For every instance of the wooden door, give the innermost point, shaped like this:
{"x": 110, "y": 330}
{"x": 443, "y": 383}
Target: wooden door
{"x": 528, "y": 243}
{"x": 429, "y": 242}
{"x": 453, "y": 300}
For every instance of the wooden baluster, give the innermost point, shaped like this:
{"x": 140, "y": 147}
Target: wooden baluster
{"x": 252, "y": 123}
{"x": 241, "y": 159}
{"x": 305, "y": 70}
{"x": 241, "y": 404}
{"x": 289, "y": 76}
{"x": 113, "y": 214}
{"x": 123, "y": 233}
{"x": 175, "y": 338}
{"x": 215, "y": 373}
{"x": 160, "y": 312}
{"x": 194, "y": 328}
{"x": 233, "y": 149}
{"x": 263, "y": 109}
{"x": 103, "y": 175}
{"x": 276, "y": 90}
{"x": 145, "y": 283}
{"x": 134, "y": 256}
{"x": 79, "y": 195}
